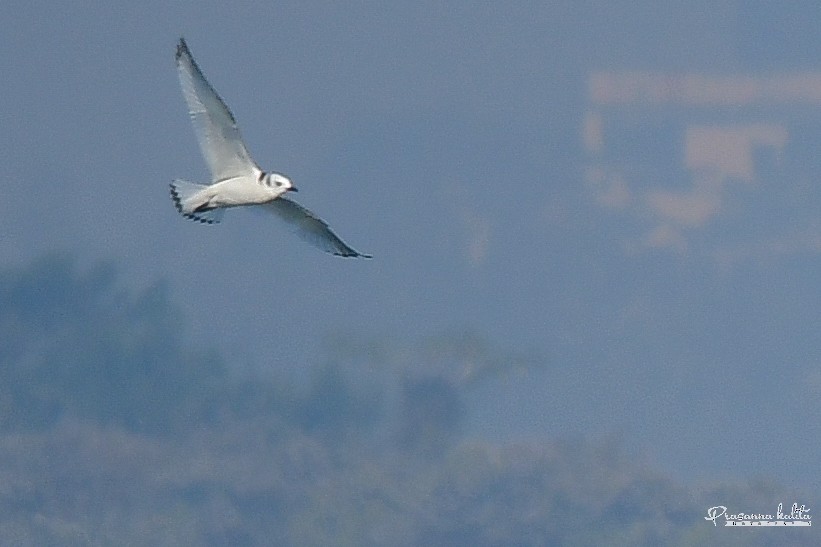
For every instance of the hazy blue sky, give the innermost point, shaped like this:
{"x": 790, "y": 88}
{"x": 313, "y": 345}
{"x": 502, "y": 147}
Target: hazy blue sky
{"x": 669, "y": 280}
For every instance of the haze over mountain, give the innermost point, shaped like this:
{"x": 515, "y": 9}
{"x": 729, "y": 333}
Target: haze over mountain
{"x": 618, "y": 205}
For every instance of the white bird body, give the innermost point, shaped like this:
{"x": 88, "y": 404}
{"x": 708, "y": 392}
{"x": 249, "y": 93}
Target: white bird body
{"x": 238, "y": 191}
{"x": 234, "y": 192}
{"x": 236, "y": 180}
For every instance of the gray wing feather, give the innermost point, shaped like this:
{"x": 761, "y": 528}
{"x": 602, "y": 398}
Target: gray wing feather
{"x": 311, "y": 228}
{"x": 215, "y": 126}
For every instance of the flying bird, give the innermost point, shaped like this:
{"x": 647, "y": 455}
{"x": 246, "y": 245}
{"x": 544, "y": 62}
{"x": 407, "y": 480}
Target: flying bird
{"x": 236, "y": 180}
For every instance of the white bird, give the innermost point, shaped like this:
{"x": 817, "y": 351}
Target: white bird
{"x": 236, "y": 180}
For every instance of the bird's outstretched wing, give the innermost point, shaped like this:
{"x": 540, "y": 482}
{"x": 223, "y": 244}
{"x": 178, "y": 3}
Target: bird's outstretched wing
{"x": 215, "y": 126}
{"x": 311, "y": 228}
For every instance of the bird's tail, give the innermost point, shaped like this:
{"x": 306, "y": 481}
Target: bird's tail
{"x": 184, "y": 195}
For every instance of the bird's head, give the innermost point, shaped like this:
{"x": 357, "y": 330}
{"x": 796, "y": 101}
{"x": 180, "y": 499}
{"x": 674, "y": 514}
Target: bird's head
{"x": 279, "y": 184}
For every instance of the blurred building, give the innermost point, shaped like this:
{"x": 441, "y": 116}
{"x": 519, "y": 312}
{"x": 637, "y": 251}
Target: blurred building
{"x": 676, "y": 152}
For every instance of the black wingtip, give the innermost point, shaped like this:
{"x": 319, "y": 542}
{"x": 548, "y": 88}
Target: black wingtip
{"x": 182, "y": 48}
{"x": 353, "y": 254}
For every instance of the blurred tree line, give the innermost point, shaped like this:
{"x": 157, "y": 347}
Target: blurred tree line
{"x": 78, "y": 344}
{"x": 114, "y": 431}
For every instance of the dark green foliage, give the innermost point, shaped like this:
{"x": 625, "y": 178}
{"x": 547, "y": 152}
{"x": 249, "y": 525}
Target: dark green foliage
{"x": 234, "y": 485}
{"x": 430, "y": 415}
{"x": 93, "y": 379}
{"x": 74, "y": 343}
{"x": 333, "y": 405}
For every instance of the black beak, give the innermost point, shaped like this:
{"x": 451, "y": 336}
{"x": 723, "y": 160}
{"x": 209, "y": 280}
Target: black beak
{"x": 293, "y": 189}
